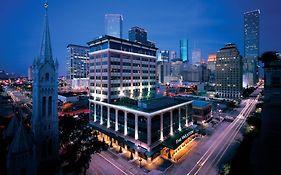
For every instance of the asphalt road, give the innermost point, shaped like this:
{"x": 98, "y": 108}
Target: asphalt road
{"x": 101, "y": 166}
{"x": 205, "y": 157}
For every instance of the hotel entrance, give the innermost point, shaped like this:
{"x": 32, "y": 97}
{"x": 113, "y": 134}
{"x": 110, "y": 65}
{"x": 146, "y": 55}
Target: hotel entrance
{"x": 179, "y": 144}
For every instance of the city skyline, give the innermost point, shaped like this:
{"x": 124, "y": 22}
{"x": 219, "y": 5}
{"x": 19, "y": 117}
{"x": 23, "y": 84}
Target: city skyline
{"x": 204, "y": 23}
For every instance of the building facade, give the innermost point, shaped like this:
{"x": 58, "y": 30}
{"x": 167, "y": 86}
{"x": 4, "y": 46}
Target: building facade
{"x": 201, "y": 111}
{"x": 172, "y": 55}
{"x": 163, "y": 71}
{"x": 196, "y": 56}
{"x": 78, "y": 66}
{"x": 184, "y": 50}
{"x": 114, "y": 25}
{"x": 45, "y": 108}
{"x": 138, "y": 34}
{"x": 272, "y": 78}
{"x": 122, "y": 77}
{"x": 120, "y": 68}
{"x": 164, "y": 55}
{"x": 229, "y": 72}
{"x": 251, "y": 48}
{"x": 211, "y": 65}
{"x": 29, "y": 73}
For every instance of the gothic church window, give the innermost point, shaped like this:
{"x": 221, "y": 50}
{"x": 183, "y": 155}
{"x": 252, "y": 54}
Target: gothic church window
{"x": 47, "y": 76}
{"x": 50, "y": 105}
{"x": 44, "y": 106}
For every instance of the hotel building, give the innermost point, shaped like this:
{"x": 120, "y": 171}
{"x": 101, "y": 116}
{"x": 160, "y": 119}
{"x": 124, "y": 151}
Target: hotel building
{"x": 122, "y": 106}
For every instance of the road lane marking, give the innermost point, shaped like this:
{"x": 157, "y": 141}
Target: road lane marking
{"x": 114, "y": 164}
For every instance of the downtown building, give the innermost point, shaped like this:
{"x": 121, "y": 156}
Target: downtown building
{"x": 77, "y": 67}
{"x": 184, "y": 50}
{"x": 122, "y": 107}
{"x": 251, "y": 72}
{"x": 228, "y": 72}
{"x": 114, "y": 25}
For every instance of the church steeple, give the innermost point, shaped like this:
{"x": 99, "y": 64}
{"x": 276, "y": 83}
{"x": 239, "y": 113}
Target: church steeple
{"x": 46, "y": 49}
{"x": 45, "y": 104}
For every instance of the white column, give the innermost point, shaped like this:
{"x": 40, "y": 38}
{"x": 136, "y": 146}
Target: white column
{"x": 161, "y": 127}
{"x": 186, "y": 116}
{"x": 136, "y": 127}
{"x": 171, "y": 123}
{"x": 108, "y": 117}
{"x": 125, "y": 123}
{"x": 179, "y": 119}
{"x": 116, "y": 119}
{"x": 95, "y": 113}
{"x": 149, "y": 131}
{"x": 101, "y": 117}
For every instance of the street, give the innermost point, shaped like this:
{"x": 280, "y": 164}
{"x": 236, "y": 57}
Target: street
{"x": 205, "y": 158}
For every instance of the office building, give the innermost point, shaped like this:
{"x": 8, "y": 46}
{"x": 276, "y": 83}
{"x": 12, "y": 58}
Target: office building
{"x": 264, "y": 154}
{"x": 77, "y": 67}
{"x": 164, "y": 55}
{"x": 196, "y": 56}
{"x": 201, "y": 111}
{"x": 29, "y": 73}
{"x": 114, "y": 25}
{"x": 163, "y": 71}
{"x": 138, "y": 34}
{"x": 251, "y": 48}
{"x": 184, "y": 50}
{"x": 172, "y": 55}
{"x": 211, "y": 65}
{"x": 195, "y": 73}
{"x": 229, "y": 72}
{"x": 122, "y": 78}
{"x": 272, "y": 78}
{"x": 176, "y": 67}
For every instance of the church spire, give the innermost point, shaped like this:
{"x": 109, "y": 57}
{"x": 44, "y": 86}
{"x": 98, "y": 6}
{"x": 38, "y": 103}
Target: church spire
{"x": 46, "y": 50}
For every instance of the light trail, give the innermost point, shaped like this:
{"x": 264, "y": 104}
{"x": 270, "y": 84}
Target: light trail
{"x": 229, "y": 140}
{"x": 214, "y": 146}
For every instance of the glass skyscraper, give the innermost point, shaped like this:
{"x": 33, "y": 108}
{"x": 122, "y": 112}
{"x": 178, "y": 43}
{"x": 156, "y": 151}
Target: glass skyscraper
{"x": 137, "y": 34}
{"x": 184, "y": 50}
{"x": 251, "y": 46}
{"x": 114, "y": 25}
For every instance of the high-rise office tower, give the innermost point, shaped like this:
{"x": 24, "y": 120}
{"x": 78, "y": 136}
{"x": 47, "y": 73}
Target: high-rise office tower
{"x": 114, "y": 25}
{"x": 211, "y": 65}
{"x": 229, "y": 72}
{"x": 163, "y": 71}
{"x": 184, "y": 50}
{"x": 251, "y": 47}
{"x": 173, "y": 55}
{"x": 29, "y": 73}
{"x": 196, "y": 56}
{"x": 137, "y": 34}
{"x": 78, "y": 66}
{"x": 164, "y": 55}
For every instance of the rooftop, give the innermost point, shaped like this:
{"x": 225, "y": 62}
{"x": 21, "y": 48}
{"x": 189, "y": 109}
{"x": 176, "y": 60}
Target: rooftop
{"x": 150, "y": 105}
{"x": 107, "y": 37}
{"x": 199, "y": 103}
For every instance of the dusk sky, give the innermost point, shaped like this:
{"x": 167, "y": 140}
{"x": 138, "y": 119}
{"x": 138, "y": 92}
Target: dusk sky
{"x": 207, "y": 24}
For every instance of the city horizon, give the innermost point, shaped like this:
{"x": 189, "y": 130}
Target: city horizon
{"x": 203, "y": 28}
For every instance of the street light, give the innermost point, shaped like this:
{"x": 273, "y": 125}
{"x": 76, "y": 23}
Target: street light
{"x": 140, "y": 161}
{"x": 139, "y": 155}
